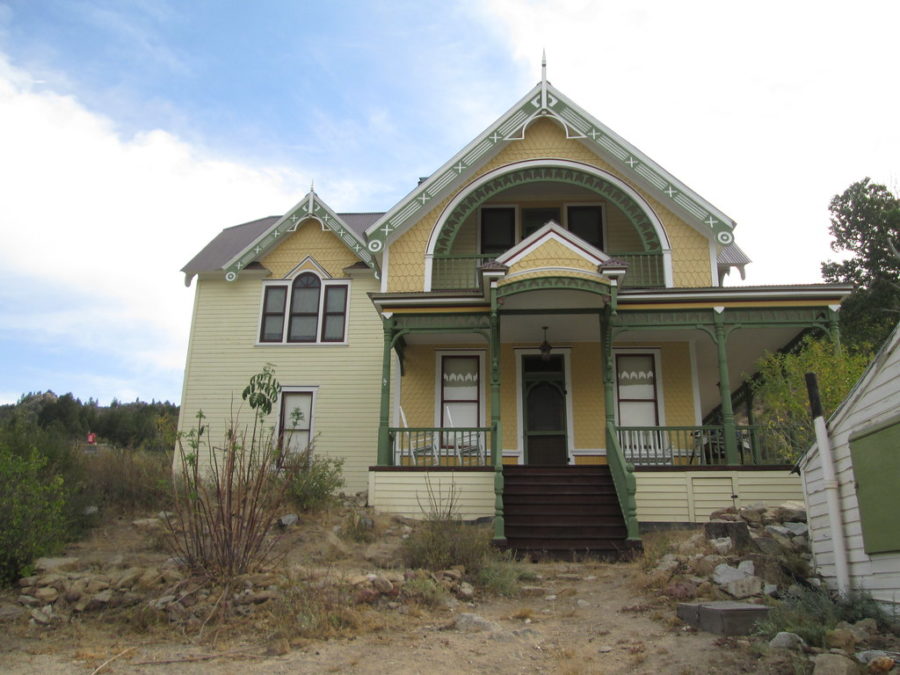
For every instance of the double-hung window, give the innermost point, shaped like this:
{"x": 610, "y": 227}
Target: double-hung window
{"x": 309, "y": 310}
{"x": 296, "y": 421}
{"x": 637, "y": 390}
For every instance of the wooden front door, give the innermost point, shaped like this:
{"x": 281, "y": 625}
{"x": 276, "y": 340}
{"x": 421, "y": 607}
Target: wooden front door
{"x": 544, "y": 414}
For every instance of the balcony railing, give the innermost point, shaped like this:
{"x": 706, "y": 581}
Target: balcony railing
{"x": 436, "y": 446}
{"x": 460, "y": 272}
{"x": 702, "y": 446}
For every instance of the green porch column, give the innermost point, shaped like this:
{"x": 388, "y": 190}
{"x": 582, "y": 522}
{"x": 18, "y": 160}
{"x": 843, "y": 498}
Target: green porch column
{"x": 385, "y": 456}
{"x": 834, "y": 330}
{"x": 496, "y": 425}
{"x": 729, "y": 428}
{"x": 606, "y": 363}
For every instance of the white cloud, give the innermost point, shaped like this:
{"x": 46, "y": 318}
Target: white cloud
{"x": 108, "y": 221}
{"x": 767, "y": 110}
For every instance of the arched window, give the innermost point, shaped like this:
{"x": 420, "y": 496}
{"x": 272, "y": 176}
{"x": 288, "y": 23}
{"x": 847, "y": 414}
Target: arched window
{"x": 310, "y": 310}
{"x": 304, "y": 320}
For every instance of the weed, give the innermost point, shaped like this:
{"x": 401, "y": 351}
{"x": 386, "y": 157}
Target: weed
{"x": 812, "y": 612}
{"x": 358, "y": 527}
{"x": 500, "y": 577}
{"x": 313, "y": 609}
{"x": 424, "y": 590}
{"x": 313, "y": 480}
{"x": 441, "y": 544}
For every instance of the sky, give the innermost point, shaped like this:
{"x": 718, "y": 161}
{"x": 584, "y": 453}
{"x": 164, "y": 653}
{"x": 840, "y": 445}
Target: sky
{"x": 133, "y": 131}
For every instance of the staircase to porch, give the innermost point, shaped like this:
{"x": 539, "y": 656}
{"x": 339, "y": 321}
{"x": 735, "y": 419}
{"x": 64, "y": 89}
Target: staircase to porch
{"x": 559, "y": 510}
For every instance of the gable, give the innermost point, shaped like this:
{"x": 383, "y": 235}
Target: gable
{"x": 309, "y": 240}
{"x": 545, "y": 101}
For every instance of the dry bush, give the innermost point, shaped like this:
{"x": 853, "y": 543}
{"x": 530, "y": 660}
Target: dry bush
{"x": 127, "y": 480}
{"x": 224, "y": 513}
{"x": 314, "y": 609}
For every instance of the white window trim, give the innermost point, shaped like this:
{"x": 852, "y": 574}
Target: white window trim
{"x": 314, "y": 390}
{"x": 656, "y": 353}
{"x": 520, "y": 413}
{"x": 438, "y": 382}
{"x": 288, "y": 283}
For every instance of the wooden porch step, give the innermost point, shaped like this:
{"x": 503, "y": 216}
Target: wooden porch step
{"x": 562, "y": 509}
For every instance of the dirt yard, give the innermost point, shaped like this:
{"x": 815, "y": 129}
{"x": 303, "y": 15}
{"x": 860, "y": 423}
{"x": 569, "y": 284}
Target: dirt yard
{"x": 569, "y": 617}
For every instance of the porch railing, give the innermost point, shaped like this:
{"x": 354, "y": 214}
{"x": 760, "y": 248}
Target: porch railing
{"x": 457, "y": 272}
{"x": 460, "y": 272}
{"x": 700, "y": 445}
{"x": 437, "y": 446}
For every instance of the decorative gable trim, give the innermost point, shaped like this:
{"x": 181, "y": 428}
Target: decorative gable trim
{"x": 544, "y": 100}
{"x": 552, "y": 232}
{"x": 308, "y": 264}
{"x": 309, "y": 207}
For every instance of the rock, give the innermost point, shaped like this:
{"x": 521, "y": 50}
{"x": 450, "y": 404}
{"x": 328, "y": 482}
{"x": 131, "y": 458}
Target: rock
{"x": 260, "y": 597}
{"x": 882, "y": 664}
{"x": 865, "y": 657}
{"x": 690, "y": 545}
{"x": 90, "y": 511}
{"x": 128, "y": 578}
{"x": 791, "y": 512}
{"x": 605, "y": 649}
{"x": 722, "y": 546}
{"x": 582, "y": 603}
{"x": 28, "y": 600}
{"x": 770, "y": 589}
{"x": 784, "y": 640}
{"x": 796, "y": 529}
{"x": 747, "y": 567}
{"x": 58, "y": 581}
{"x": 288, "y": 519}
{"x": 10, "y": 613}
{"x": 753, "y": 515}
{"x": 681, "y": 590}
{"x": 737, "y": 531}
{"x": 833, "y": 664}
{"x": 96, "y": 584}
{"x": 706, "y": 565}
{"x": 46, "y": 595}
{"x": 769, "y": 546}
{"x": 166, "y": 516}
{"x": 365, "y": 523}
{"x": 532, "y": 591}
{"x": 473, "y": 623}
{"x": 719, "y": 514}
{"x": 841, "y": 638}
{"x": 382, "y": 554}
{"x": 453, "y": 574}
{"x": 43, "y": 616}
{"x": 779, "y": 530}
{"x": 163, "y": 602}
{"x": 149, "y": 579}
{"x": 148, "y": 524}
{"x": 725, "y": 573}
{"x": 667, "y": 564}
{"x": 743, "y": 588}
{"x": 28, "y": 581}
{"x": 100, "y": 600}
{"x": 465, "y": 591}
{"x": 382, "y": 585}
{"x": 55, "y": 564}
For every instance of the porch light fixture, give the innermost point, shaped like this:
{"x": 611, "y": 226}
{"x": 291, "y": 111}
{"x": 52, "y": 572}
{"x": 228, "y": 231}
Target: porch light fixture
{"x": 545, "y": 347}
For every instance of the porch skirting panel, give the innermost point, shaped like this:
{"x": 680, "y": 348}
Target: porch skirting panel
{"x": 690, "y": 496}
{"x": 420, "y": 493}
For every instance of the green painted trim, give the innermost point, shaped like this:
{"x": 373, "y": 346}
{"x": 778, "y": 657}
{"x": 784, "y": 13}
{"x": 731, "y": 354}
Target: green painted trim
{"x": 309, "y": 207}
{"x": 653, "y": 319}
{"x": 551, "y": 174}
{"x": 496, "y": 422}
{"x": 385, "y": 454}
{"x": 553, "y": 283}
{"x": 544, "y": 100}
{"x": 730, "y": 429}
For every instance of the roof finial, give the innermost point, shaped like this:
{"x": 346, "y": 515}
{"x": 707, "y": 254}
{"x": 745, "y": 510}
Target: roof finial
{"x": 544, "y": 79}
{"x": 312, "y": 186}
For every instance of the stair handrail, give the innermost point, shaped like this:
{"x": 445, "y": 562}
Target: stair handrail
{"x": 625, "y": 482}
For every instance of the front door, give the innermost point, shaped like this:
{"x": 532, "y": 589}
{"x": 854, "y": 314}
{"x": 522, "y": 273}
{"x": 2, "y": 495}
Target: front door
{"x": 544, "y": 414}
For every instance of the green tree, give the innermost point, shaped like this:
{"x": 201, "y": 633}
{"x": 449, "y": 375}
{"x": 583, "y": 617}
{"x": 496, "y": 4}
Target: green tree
{"x": 780, "y": 395}
{"x": 865, "y": 221}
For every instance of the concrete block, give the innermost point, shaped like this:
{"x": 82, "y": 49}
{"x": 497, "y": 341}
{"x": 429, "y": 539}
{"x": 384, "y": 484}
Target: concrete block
{"x": 722, "y": 618}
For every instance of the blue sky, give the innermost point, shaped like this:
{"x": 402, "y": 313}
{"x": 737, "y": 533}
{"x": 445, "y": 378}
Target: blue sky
{"x": 131, "y": 132}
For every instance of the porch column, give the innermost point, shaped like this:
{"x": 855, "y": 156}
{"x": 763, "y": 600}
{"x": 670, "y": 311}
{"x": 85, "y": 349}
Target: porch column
{"x": 729, "y": 428}
{"x": 385, "y": 455}
{"x": 834, "y": 329}
{"x": 496, "y": 427}
{"x": 606, "y": 364}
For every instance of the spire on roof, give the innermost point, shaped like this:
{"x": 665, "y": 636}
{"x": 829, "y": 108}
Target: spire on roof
{"x": 544, "y": 78}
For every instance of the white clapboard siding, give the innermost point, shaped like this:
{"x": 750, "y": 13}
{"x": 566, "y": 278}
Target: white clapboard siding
{"x": 690, "y": 496}
{"x": 875, "y": 399}
{"x": 419, "y": 494}
{"x": 223, "y": 354}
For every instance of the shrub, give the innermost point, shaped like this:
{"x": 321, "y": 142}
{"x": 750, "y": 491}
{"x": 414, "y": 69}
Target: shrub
{"x": 500, "y": 576}
{"x": 812, "y": 612}
{"x": 31, "y": 512}
{"x": 224, "y": 513}
{"x": 424, "y": 590}
{"x": 313, "y": 480}
{"x": 127, "y": 480}
{"x": 441, "y": 544}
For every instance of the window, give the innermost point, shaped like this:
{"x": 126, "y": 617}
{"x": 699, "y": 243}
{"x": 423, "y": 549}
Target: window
{"x": 296, "y": 420}
{"x": 310, "y": 310}
{"x": 498, "y": 229}
{"x": 535, "y": 218}
{"x": 636, "y": 388}
{"x": 586, "y": 222}
{"x": 460, "y": 391}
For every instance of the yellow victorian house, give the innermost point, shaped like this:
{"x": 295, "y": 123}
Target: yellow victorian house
{"x": 538, "y": 333}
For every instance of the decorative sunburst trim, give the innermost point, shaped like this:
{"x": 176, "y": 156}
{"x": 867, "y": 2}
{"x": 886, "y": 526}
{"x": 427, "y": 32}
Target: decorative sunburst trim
{"x": 309, "y": 207}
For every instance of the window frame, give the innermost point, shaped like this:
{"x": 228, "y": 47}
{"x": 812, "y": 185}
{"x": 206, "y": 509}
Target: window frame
{"x": 439, "y": 383}
{"x": 655, "y": 355}
{"x": 597, "y": 205}
{"x": 562, "y": 209}
{"x": 281, "y": 425}
{"x": 516, "y": 225}
{"x": 325, "y": 285}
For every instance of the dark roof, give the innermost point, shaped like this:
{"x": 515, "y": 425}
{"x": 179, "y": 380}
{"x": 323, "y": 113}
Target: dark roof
{"x": 732, "y": 255}
{"x": 228, "y": 243}
{"x": 232, "y": 240}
